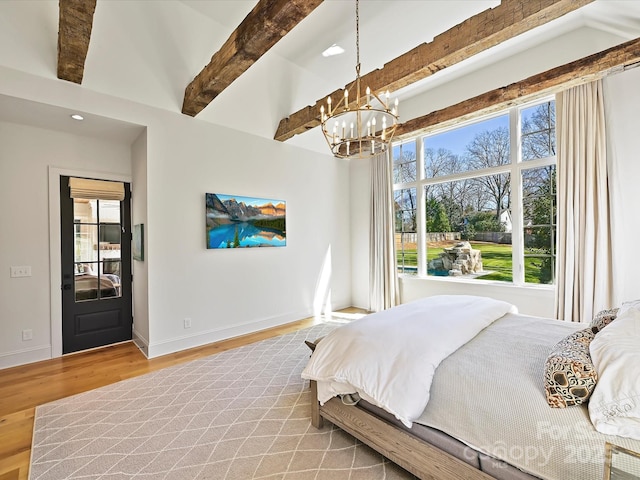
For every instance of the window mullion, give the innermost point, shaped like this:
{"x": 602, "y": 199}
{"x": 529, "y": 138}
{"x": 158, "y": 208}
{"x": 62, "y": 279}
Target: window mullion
{"x": 421, "y": 226}
{"x": 517, "y": 240}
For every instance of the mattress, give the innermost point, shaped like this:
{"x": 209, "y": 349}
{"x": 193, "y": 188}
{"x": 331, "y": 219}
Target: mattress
{"x": 490, "y": 396}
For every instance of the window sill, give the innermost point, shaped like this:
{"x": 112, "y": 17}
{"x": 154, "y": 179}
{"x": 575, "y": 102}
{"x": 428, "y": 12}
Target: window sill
{"x": 473, "y": 281}
{"x": 536, "y": 300}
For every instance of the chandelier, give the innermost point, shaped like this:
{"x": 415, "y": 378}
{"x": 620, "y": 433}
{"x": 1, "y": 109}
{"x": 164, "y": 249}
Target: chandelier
{"x": 365, "y": 128}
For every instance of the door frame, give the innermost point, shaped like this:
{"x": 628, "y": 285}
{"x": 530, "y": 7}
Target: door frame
{"x": 55, "y": 257}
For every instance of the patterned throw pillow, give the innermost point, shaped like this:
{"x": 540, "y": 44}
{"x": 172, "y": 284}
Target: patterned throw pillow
{"x": 569, "y": 374}
{"x": 603, "y": 318}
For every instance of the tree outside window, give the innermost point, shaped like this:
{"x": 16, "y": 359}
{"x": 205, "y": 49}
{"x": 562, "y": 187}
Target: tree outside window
{"x": 468, "y": 177}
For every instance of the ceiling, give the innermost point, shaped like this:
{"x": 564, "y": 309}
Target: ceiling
{"x": 148, "y": 51}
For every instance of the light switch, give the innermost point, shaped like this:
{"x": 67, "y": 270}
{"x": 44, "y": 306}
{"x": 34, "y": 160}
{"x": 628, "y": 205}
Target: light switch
{"x": 21, "y": 271}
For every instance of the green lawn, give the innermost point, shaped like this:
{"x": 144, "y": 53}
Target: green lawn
{"x": 495, "y": 258}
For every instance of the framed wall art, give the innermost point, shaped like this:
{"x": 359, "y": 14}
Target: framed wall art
{"x": 137, "y": 245}
{"x": 233, "y": 221}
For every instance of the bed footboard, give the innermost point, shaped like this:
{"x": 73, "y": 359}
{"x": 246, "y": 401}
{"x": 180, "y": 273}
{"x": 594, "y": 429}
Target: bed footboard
{"x": 414, "y": 455}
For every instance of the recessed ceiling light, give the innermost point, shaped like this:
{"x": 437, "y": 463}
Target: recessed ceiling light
{"x": 75, "y": 116}
{"x": 333, "y": 50}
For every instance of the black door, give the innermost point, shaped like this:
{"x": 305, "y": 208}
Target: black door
{"x": 96, "y": 270}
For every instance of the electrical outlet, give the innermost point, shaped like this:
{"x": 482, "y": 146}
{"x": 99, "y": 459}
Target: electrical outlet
{"x": 21, "y": 271}
{"x": 27, "y": 335}
{"x": 187, "y": 323}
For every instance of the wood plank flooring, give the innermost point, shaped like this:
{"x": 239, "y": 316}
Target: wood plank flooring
{"x": 25, "y": 387}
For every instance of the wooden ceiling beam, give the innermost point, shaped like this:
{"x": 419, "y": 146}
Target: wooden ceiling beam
{"x": 587, "y": 69}
{"x": 262, "y": 28}
{"x": 74, "y": 32}
{"x": 474, "y": 35}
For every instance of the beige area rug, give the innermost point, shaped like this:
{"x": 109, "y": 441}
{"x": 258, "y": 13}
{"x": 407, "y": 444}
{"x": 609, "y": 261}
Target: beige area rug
{"x": 240, "y": 414}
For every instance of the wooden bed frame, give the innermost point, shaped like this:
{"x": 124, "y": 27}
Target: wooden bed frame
{"x": 414, "y": 455}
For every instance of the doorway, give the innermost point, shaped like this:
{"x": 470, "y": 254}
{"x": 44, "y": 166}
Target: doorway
{"x": 95, "y": 234}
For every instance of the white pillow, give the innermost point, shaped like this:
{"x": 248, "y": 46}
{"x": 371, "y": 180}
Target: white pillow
{"x": 614, "y": 406}
{"x": 630, "y": 304}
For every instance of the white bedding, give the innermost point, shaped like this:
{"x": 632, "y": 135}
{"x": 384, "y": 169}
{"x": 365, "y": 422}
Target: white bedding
{"x": 614, "y": 406}
{"x": 389, "y": 358}
{"x": 490, "y": 395}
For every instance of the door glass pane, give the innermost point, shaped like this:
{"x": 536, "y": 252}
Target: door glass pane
{"x": 112, "y": 270}
{"x": 85, "y": 211}
{"x": 109, "y": 211}
{"x": 85, "y": 245}
{"x": 109, "y": 242}
{"x": 97, "y": 249}
{"x": 86, "y": 287}
{"x": 108, "y": 288}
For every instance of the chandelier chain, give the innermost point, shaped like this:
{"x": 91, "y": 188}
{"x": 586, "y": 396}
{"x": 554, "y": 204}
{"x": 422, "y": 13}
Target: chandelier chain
{"x": 357, "y": 39}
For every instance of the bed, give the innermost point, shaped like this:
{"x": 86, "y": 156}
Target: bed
{"x": 87, "y": 286}
{"x": 486, "y": 413}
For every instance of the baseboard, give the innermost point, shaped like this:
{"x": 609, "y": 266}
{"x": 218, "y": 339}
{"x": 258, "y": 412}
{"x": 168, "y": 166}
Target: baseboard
{"x": 215, "y": 335}
{"x": 141, "y": 342}
{"x": 24, "y": 356}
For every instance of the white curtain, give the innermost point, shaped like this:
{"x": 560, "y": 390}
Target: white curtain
{"x": 584, "y": 273}
{"x": 383, "y": 276}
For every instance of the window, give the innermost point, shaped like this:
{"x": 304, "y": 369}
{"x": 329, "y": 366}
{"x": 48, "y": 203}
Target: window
{"x": 479, "y": 200}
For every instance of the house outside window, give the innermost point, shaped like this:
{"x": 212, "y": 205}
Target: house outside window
{"x": 478, "y": 201}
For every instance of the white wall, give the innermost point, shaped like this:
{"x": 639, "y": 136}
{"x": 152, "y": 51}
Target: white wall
{"x": 225, "y": 293}
{"x": 622, "y": 104}
{"x": 139, "y": 268}
{"x": 25, "y": 156}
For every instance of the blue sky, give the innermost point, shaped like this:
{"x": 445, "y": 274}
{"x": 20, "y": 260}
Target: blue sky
{"x": 456, "y": 140}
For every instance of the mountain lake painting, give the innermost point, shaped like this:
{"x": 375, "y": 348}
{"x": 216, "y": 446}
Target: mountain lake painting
{"x": 244, "y": 222}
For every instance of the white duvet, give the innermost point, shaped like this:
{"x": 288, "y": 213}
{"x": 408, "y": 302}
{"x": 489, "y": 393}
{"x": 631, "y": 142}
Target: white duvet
{"x": 389, "y": 358}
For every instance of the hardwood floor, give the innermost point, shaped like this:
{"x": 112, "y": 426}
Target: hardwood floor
{"x": 25, "y": 387}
